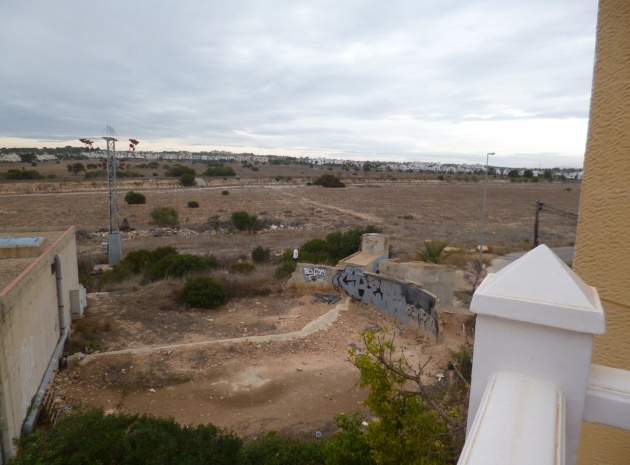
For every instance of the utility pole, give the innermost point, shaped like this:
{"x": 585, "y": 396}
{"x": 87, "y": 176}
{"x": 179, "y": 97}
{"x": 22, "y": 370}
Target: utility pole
{"x": 539, "y": 207}
{"x": 483, "y": 211}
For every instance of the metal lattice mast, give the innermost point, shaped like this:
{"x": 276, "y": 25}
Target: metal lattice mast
{"x": 112, "y": 184}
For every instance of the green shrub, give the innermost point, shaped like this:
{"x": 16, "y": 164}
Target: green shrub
{"x": 285, "y": 269}
{"x": 18, "y": 175}
{"x": 177, "y": 170}
{"x": 128, "y": 174}
{"x": 274, "y": 449}
{"x": 261, "y": 254}
{"x": 225, "y": 192}
{"x": 128, "y": 439}
{"x": 241, "y": 268}
{"x": 135, "y": 198}
{"x": 94, "y": 174}
{"x": 165, "y": 217}
{"x": 187, "y": 180}
{"x": 350, "y": 445}
{"x": 193, "y": 204}
{"x": 220, "y": 171}
{"x": 173, "y": 266}
{"x": 243, "y": 221}
{"x": 204, "y": 292}
{"x": 433, "y": 252}
{"x": 328, "y": 180}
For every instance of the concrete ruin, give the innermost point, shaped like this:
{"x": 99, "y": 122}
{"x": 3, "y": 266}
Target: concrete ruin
{"x": 39, "y": 296}
{"x": 411, "y": 292}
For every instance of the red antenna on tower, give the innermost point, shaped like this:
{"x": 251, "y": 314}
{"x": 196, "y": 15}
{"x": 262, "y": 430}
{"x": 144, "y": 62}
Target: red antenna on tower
{"x": 88, "y": 144}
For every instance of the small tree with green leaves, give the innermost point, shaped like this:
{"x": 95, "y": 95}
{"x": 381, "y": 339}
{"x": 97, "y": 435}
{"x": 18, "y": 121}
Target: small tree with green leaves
{"x": 418, "y": 423}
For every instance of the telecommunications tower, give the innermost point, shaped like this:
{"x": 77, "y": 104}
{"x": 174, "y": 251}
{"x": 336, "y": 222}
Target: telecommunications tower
{"x": 111, "y": 164}
{"x": 114, "y": 242}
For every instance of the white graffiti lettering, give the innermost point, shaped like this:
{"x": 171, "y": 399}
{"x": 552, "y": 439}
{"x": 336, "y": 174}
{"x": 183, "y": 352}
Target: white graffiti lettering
{"x": 314, "y": 273}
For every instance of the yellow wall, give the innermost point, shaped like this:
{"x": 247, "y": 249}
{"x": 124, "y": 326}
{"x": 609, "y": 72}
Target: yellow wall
{"x": 603, "y": 240}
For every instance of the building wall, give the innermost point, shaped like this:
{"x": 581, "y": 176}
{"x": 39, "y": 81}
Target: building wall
{"x": 29, "y": 332}
{"x": 602, "y": 256}
{"x": 439, "y": 280}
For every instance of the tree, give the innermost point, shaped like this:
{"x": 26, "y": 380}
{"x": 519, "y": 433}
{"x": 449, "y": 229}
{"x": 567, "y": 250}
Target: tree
{"x": 547, "y": 174}
{"x": 474, "y": 273}
{"x": 418, "y": 423}
{"x": 528, "y": 174}
{"x": 513, "y": 174}
{"x": 76, "y": 168}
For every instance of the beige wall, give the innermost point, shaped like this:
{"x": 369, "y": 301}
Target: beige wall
{"x": 602, "y": 248}
{"x": 29, "y": 332}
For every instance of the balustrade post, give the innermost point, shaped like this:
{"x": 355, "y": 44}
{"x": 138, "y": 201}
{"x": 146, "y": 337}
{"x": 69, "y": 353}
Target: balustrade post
{"x": 536, "y": 317}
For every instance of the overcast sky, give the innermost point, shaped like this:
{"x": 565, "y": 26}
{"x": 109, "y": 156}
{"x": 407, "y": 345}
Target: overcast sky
{"x": 414, "y": 80}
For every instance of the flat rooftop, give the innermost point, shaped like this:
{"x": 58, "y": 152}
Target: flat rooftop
{"x": 11, "y": 267}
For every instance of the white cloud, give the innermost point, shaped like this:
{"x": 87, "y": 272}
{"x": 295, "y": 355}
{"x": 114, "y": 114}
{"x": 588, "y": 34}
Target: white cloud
{"x": 386, "y": 79}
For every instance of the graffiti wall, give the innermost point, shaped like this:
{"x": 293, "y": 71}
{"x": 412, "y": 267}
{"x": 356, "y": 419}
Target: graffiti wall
{"x": 404, "y": 302}
{"x": 314, "y": 273}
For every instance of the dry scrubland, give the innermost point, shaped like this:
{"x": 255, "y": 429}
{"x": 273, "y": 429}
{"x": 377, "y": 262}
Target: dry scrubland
{"x": 409, "y": 207}
{"x": 296, "y": 385}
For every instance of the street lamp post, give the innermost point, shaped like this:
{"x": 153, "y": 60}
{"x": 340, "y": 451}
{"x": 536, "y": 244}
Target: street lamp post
{"x": 483, "y": 212}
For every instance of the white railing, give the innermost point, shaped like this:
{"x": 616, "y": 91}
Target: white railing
{"x": 533, "y": 383}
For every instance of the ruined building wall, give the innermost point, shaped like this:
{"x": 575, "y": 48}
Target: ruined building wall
{"x": 29, "y": 332}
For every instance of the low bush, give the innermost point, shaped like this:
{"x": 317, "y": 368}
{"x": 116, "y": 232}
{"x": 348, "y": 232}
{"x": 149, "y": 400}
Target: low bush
{"x": 328, "y": 180}
{"x": 193, "y": 204}
{"x": 220, "y": 171}
{"x": 274, "y": 449}
{"x": 285, "y": 269}
{"x": 257, "y": 283}
{"x": 225, "y": 192}
{"x": 204, "y": 292}
{"x": 177, "y": 170}
{"x": 241, "y": 268}
{"x": 129, "y": 439}
{"x": 19, "y": 175}
{"x": 173, "y": 266}
{"x": 135, "y": 198}
{"x": 187, "y": 180}
{"x": 165, "y": 217}
{"x": 261, "y": 254}
{"x": 243, "y": 221}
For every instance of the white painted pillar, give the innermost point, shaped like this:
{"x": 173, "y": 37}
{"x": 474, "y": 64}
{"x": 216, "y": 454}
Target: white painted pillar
{"x": 538, "y": 318}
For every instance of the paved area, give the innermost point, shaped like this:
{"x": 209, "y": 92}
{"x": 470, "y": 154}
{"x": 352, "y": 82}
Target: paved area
{"x": 565, "y": 254}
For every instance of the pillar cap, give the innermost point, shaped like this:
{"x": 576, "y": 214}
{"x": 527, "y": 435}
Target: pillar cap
{"x": 540, "y": 288}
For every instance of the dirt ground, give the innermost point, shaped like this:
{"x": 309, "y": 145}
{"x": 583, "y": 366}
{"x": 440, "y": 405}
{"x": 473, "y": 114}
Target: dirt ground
{"x": 216, "y": 366}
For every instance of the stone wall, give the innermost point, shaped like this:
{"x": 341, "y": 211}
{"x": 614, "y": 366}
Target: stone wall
{"x": 29, "y": 331}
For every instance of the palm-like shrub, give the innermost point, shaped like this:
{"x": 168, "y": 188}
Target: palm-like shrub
{"x": 433, "y": 252}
